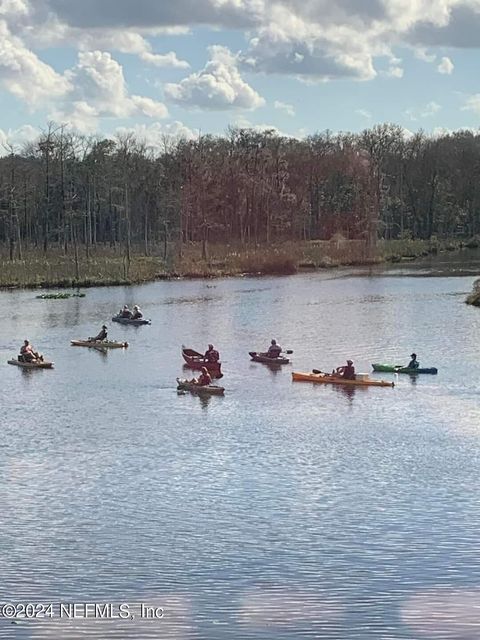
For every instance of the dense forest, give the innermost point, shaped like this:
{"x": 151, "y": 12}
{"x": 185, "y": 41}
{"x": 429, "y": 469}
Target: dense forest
{"x": 246, "y": 187}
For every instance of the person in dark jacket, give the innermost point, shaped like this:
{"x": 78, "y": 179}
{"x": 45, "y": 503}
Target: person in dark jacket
{"x": 347, "y": 372}
{"x": 413, "y": 364}
{"x": 101, "y": 336}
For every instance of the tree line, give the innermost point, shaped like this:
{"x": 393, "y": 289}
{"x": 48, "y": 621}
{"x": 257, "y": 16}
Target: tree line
{"x": 70, "y": 191}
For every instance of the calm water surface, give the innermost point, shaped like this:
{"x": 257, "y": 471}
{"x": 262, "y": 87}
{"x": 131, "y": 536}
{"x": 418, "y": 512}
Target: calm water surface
{"x": 283, "y": 510}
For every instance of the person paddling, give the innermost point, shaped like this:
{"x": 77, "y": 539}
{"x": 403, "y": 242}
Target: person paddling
{"x": 413, "y": 364}
{"x": 211, "y": 355}
{"x": 137, "y": 314}
{"x": 101, "y": 336}
{"x": 274, "y": 350}
{"x": 204, "y": 379}
{"x": 347, "y": 372}
{"x": 125, "y": 312}
{"x": 27, "y": 353}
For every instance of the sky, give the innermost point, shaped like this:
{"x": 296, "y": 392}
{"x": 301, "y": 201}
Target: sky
{"x": 185, "y": 67}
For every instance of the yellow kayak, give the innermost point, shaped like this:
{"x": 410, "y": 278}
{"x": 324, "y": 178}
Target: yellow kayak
{"x": 325, "y": 378}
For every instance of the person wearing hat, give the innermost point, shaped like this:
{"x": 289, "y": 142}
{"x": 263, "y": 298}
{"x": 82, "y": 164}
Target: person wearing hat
{"x": 413, "y": 364}
{"x": 101, "y": 336}
{"x": 137, "y": 314}
{"x": 211, "y": 355}
{"x": 274, "y": 350}
{"x": 125, "y": 312}
{"x": 347, "y": 372}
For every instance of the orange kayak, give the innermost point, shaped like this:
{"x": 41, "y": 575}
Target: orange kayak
{"x": 325, "y": 378}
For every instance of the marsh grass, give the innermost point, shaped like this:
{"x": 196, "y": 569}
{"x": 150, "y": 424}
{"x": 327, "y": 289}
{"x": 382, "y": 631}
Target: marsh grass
{"x": 106, "y": 266}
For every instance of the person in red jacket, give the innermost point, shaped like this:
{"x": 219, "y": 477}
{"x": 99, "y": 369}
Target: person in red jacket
{"x": 211, "y": 355}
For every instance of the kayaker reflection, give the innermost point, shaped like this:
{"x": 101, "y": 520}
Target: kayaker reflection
{"x": 28, "y": 354}
{"x": 137, "y": 314}
{"x": 211, "y": 354}
{"x": 347, "y": 372}
{"x": 274, "y": 350}
{"x": 101, "y": 336}
{"x": 204, "y": 379}
{"x": 413, "y": 364}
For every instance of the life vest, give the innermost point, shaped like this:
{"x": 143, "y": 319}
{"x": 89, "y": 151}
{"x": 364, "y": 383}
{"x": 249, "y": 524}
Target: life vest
{"x": 349, "y": 372}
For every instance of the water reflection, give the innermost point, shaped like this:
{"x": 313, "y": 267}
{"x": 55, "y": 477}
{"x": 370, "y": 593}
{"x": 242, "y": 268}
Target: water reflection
{"x": 347, "y": 391}
{"x": 412, "y": 376}
{"x": 444, "y": 612}
{"x": 204, "y": 400}
{"x": 283, "y": 609}
{"x": 280, "y": 511}
{"x": 273, "y": 368}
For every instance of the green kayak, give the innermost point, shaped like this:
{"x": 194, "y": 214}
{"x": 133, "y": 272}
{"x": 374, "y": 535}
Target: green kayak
{"x": 391, "y": 368}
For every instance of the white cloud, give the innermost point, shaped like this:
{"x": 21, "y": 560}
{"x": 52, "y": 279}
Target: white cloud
{"x": 427, "y": 111}
{"x": 218, "y": 86}
{"x": 430, "y": 110}
{"x": 78, "y": 115}
{"x": 98, "y": 81}
{"x": 98, "y": 89}
{"x": 292, "y": 46}
{"x": 150, "y": 107}
{"x": 472, "y": 104}
{"x": 364, "y": 113}
{"x": 309, "y": 39}
{"x": 24, "y": 74}
{"x": 17, "y": 137}
{"x": 422, "y": 54}
{"x": 156, "y": 134}
{"x": 244, "y": 123}
{"x": 13, "y": 7}
{"x": 283, "y": 106}
{"x": 164, "y": 60}
{"x": 394, "y": 72}
{"x": 446, "y": 66}
{"x": 439, "y": 132}
{"x": 125, "y": 42}
{"x": 314, "y": 40}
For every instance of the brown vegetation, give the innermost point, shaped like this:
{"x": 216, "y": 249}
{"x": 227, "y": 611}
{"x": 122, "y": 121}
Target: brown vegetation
{"x": 107, "y": 266}
{"x": 87, "y": 210}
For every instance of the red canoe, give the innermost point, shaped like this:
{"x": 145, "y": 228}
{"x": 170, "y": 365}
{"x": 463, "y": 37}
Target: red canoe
{"x": 195, "y": 360}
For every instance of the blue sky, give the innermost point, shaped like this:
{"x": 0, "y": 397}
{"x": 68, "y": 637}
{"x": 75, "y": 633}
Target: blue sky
{"x": 299, "y": 66}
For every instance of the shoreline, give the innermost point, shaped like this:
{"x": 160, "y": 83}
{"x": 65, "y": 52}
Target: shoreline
{"x": 105, "y": 267}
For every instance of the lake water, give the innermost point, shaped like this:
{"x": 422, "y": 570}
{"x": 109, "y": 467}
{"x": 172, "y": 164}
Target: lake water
{"x": 283, "y": 510}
